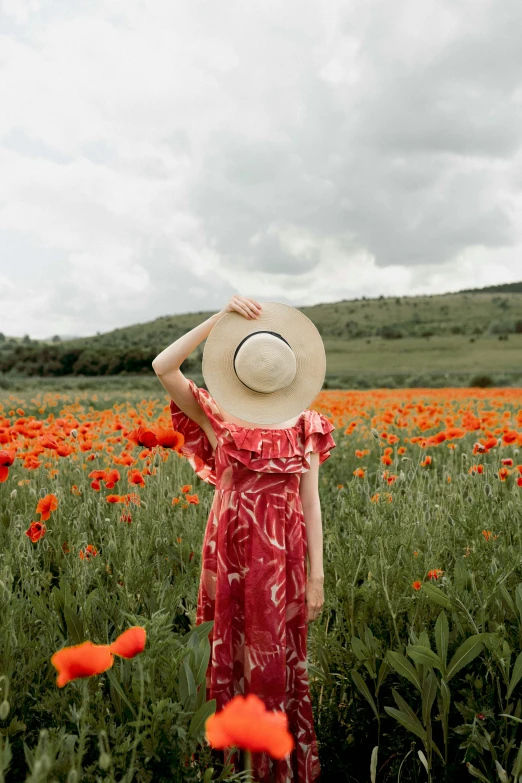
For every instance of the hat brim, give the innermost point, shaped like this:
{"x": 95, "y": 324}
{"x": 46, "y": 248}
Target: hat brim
{"x": 257, "y": 407}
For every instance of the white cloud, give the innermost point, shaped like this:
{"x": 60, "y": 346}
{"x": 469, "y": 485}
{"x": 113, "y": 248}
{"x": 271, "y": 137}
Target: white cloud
{"x": 169, "y": 155}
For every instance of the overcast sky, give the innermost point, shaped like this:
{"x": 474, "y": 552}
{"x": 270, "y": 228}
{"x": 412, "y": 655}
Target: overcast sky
{"x": 157, "y": 157}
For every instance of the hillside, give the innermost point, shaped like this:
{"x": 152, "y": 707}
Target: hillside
{"x": 476, "y": 332}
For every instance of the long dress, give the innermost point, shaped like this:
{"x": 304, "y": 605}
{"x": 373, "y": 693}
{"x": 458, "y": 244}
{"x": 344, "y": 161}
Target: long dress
{"x": 253, "y": 572}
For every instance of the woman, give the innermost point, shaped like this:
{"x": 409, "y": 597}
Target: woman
{"x": 250, "y": 437}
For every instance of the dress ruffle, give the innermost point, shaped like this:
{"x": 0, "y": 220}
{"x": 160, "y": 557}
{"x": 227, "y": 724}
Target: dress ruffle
{"x": 262, "y": 450}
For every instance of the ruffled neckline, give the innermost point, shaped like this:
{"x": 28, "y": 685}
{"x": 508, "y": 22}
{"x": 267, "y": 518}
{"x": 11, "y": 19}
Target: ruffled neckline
{"x": 276, "y": 450}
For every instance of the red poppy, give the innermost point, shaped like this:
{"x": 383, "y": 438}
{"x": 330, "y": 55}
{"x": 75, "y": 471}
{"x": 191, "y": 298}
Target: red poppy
{"x": 130, "y": 642}
{"x": 245, "y": 723}
{"x": 6, "y": 460}
{"x": 48, "y": 442}
{"x": 169, "y": 439}
{"x": 46, "y": 505}
{"x": 88, "y": 552}
{"x": 135, "y": 477}
{"x": 416, "y": 585}
{"x": 81, "y": 660}
{"x": 142, "y": 436}
{"x": 454, "y": 432}
{"x": 36, "y": 531}
{"x": 111, "y": 478}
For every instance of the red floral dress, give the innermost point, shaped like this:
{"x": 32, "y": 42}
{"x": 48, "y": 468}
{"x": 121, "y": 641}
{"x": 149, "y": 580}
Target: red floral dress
{"x": 254, "y": 570}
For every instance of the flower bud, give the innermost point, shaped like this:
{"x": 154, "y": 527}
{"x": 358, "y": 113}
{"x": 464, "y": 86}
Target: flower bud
{"x": 74, "y": 433}
{"x": 104, "y": 761}
{"x": 487, "y": 489}
{"x": 41, "y": 767}
{"x": 13, "y": 494}
{"x": 4, "y": 709}
{"x": 157, "y": 460}
{"x": 375, "y": 433}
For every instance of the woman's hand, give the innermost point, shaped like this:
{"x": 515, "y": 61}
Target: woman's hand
{"x": 314, "y": 598}
{"x": 249, "y": 308}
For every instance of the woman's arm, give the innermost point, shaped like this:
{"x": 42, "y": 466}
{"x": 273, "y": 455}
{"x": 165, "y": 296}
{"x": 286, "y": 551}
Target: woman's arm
{"x": 166, "y": 366}
{"x": 311, "y": 505}
{"x": 167, "y": 363}
{"x": 173, "y": 357}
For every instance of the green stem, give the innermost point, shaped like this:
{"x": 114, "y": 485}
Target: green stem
{"x": 130, "y": 772}
{"x": 83, "y": 727}
{"x": 248, "y": 763}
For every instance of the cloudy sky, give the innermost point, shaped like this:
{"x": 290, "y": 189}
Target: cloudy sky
{"x": 157, "y": 157}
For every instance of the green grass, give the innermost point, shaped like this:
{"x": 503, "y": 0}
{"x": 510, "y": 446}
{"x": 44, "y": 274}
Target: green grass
{"x": 435, "y": 331}
{"x": 442, "y": 353}
{"x": 373, "y": 551}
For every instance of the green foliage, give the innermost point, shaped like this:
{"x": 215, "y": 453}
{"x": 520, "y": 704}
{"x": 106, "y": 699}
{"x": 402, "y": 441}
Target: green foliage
{"x": 432, "y": 679}
{"x": 434, "y": 346}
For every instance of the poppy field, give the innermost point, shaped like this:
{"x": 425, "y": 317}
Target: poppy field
{"x": 415, "y": 664}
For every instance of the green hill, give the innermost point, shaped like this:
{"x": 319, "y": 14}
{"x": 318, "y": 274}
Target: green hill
{"x": 450, "y": 336}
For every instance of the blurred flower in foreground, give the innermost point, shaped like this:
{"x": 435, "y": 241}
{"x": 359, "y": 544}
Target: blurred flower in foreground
{"x": 130, "y": 642}
{"x": 82, "y": 660}
{"x": 435, "y": 573}
{"x": 88, "y": 659}
{"x": 245, "y": 723}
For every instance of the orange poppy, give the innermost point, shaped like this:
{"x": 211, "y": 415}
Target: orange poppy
{"x": 244, "y": 722}
{"x": 169, "y": 439}
{"x": 130, "y": 642}
{"x": 81, "y": 660}
{"x": 88, "y": 552}
{"x": 46, "y": 505}
{"x": 142, "y": 436}
{"x": 135, "y": 477}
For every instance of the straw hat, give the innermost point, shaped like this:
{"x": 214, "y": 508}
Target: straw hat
{"x": 265, "y": 370}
